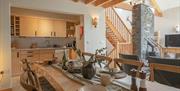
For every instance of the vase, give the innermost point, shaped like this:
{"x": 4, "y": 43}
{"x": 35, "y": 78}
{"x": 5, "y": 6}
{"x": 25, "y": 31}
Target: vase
{"x": 88, "y": 70}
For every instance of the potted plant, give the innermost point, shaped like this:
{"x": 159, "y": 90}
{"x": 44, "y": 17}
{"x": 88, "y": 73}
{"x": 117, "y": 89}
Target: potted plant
{"x": 88, "y": 68}
{"x": 99, "y": 52}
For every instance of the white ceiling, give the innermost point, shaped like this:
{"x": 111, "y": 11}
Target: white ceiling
{"x": 168, "y": 4}
{"x": 163, "y": 4}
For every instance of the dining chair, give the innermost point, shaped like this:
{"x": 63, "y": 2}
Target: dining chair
{"x": 128, "y": 59}
{"x": 165, "y": 71}
{"x": 130, "y": 62}
{"x": 25, "y": 65}
{"x": 29, "y": 81}
{"x": 100, "y": 57}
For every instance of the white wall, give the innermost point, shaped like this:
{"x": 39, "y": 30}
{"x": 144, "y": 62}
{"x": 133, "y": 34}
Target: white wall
{"x": 5, "y": 44}
{"x": 93, "y": 38}
{"x": 166, "y": 24}
{"x": 124, "y": 14}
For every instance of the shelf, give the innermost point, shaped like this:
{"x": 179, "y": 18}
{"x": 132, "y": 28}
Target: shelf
{"x": 15, "y": 26}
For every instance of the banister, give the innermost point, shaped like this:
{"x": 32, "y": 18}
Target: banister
{"x": 119, "y": 25}
{"x": 111, "y": 52}
{"x": 121, "y": 20}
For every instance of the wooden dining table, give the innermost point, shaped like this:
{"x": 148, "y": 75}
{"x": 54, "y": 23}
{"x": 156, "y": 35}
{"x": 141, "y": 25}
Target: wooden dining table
{"x": 61, "y": 82}
{"x": 57, "y": 79}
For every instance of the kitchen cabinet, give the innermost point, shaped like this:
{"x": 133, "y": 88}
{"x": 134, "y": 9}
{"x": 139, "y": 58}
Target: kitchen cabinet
{"x": 16, "y": 65}
{"x": 37, "y": 55}
{"x": 30, "y": 55}
{"x": 46, "y": 55}
{"x": 70, "y": 27}
{"x": 29, "y": 26}
{"x": 15, "y": 25}
{"x": 59, "y": 28}
{"x": 36, "y": 26}
{"x": 45, "y": 28}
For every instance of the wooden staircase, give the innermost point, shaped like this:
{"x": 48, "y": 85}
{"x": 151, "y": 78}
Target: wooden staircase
{"x": 117, "y": 34}
{"x": 113, "y": 37}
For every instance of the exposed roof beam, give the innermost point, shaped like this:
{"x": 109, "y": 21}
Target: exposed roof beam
{"x": 124, "y": 6}
{"x": 155, "y": 5}
{"x": 111, "y": 3}
{"x": 100, "y": 2}
{"x": 89, "y": 1}
{"x": 75, "y": 0}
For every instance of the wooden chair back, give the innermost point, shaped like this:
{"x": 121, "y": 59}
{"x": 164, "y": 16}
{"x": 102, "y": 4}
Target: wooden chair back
{"x": 163, "y": 67}
{"x": 29, "y": 80}
{"x": 132, "y": 62}
{"x": 109, "y": 59}
{"x": 98, "y": 56}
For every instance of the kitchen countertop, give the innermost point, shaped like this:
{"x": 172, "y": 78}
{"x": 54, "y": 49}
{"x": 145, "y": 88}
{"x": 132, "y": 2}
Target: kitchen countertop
{"x": 50, "y": 48}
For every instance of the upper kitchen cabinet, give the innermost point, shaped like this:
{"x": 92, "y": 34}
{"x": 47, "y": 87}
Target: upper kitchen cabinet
{"x": 70, "y": 27}
{"x": 29, "y": 26}
{"x": 45, "y": 28}
{"x": 15, "y": 25}
{"x": 59, "y": 28}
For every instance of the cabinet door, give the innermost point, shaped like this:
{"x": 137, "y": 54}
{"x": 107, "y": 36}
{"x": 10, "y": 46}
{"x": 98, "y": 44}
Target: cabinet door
{"x": 45, "y": 28}
{"x": 16, "y": 65}
{"x": 59, "y": 28}
{"x": 46, "y": 55}
{"x": 31, "y": 55}
{"x": 29, "y": 26}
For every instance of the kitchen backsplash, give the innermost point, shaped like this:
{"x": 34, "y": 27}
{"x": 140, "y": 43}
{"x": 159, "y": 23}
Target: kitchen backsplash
{"x": 26, "y": 42}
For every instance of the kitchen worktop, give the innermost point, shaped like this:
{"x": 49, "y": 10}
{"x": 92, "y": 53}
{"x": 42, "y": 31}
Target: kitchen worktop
{"x": 48, "y": 48}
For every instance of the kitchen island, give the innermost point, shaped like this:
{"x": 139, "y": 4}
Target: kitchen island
{"x": 38, "y": 55}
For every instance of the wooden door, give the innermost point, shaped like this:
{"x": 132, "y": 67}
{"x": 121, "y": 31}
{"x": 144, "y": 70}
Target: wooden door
{"x": 59, "y": 28}
{"x": 29, "y": 26}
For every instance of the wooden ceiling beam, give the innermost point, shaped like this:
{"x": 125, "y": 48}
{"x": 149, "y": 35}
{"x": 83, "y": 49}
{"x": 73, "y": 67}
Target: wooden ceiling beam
{"x": 155, "y": 5}
{"x": 111, "y": 3}
{"x": 124, "y": 6}
{"x": 75, "y": 0}
{"x": 89, "y": 1}
{"x": 100, "y": 2}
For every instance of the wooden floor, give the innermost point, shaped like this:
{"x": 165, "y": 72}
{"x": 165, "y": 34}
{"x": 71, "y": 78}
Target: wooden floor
{"x": 16, "y": 84}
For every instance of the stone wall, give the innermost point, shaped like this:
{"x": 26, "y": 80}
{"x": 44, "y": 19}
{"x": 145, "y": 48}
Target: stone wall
{"x": 143, "y": 28}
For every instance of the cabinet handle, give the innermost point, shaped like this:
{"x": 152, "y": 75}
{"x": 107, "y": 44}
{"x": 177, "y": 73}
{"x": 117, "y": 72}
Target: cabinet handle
{"x": 17, "y": 54}
{"x": 35, "y": 33}
{"x": 29, "y": 52}
{"x": 51, "y": 33}
{"x": 30, "y": 56}
{"x": 54, "y": 33}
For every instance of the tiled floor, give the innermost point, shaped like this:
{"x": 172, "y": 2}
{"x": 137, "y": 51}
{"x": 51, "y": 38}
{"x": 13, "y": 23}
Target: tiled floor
{"x": 16, "y": 84}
